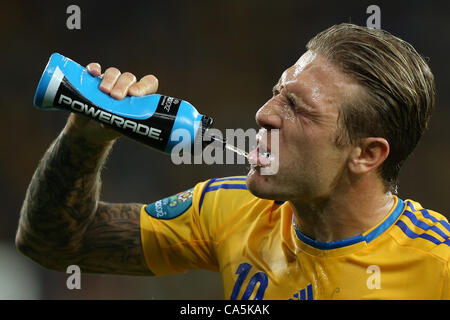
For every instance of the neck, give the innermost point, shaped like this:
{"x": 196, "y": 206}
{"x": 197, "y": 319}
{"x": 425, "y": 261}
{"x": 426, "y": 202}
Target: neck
{"x": 343, "y": 214}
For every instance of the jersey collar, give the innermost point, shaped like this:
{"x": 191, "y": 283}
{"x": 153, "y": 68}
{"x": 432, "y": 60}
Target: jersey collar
{"x": 366, "y": 237}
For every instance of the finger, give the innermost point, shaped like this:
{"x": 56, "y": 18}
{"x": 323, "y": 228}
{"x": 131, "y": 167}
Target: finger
{"x": 122, "y": 85}
{"x": 147, "y": 85}
{"x": 109, "y": 79}
{"x": 94, "y": 69}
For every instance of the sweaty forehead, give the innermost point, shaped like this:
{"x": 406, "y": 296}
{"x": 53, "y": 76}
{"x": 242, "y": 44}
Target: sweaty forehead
{"x": 317, "y": 80}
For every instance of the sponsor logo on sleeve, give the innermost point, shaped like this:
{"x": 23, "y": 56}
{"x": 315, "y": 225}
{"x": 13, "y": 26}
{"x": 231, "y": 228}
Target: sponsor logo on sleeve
{"x": 171, "y": 207}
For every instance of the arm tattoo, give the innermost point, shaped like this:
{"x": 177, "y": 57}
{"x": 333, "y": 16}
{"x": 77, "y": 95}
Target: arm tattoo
{"x": 61, "y": 204}
{"x": 114, "y": 224}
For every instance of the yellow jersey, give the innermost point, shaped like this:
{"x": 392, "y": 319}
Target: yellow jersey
{"x": 219, "y": 225}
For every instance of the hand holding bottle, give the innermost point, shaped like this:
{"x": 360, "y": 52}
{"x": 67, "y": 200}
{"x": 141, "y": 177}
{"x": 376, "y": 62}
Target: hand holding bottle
{"x": 118, "y": 85}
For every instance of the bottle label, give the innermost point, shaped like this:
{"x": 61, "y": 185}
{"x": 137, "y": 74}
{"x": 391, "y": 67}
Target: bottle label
{"x": 153, "y": 131}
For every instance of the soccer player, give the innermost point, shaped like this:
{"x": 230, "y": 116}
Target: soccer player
{"x": 327, "y": 225}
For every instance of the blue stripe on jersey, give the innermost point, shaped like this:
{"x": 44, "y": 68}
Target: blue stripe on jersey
{"x": 326, "y": 245}
{"x": 207, "y": 188}
{"x": 227, "y": 186}
{"x": 232, "y": 179}
{"x": 411, "y": 234}
{"x": 386, "y": 223}
{"x": 203, "y": 194}
{"x": 411, "y": 206}
{"x": 422, "y": 225}
{"x": 303, "y": 294}
{"x": 349, "y": 241}
{"x": 427, "y": 215}
{"x": 310, "y": 292}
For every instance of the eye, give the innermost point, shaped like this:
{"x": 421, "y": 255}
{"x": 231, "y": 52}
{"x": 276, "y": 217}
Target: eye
{"x": 291, "y": 101}
{"x": 276, "y": 90}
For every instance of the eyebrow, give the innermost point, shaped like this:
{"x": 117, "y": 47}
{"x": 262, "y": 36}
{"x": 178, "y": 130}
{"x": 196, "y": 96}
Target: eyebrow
{"x": 299, "y": 101}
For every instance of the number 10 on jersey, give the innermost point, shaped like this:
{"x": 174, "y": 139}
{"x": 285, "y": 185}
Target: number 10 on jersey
{"x": 259, "y": 277}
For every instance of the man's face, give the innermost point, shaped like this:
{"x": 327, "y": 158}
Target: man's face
{"x": 304, "y": 108}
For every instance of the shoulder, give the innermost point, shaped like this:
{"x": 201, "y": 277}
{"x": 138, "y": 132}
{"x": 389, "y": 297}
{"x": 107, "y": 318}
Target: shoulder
{"x": 216, "y": 192}
{"x": 424, "y": 230}
{"x": 227, "y": 209}
{"x": 221, "y": 199}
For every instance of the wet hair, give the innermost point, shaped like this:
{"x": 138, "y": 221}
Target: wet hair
{"x": 398, "y": 93}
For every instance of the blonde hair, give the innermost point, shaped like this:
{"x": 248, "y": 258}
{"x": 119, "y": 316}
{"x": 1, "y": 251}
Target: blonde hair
{"x": 399, "y": 94}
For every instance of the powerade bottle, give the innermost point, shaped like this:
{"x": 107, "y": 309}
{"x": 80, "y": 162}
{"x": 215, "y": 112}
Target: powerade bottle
{"x": 151, "y": 119}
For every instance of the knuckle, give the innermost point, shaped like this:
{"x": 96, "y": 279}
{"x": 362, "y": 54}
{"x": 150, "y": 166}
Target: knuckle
{"x": 150, "y": 82}
{"x": 136, "y": 89}
{"x": 113, "y": 71}
{"x": 151, "y": 78}
{"x": 128, "y": 76}
{"x": 93, "y": 65}
{"x": 94, "y": 68}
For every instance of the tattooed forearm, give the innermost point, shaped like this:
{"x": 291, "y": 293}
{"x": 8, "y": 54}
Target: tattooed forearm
{"x": 61, "y": 199}
{"x": 62, "y": 221}
{"x": 113, "y": 224}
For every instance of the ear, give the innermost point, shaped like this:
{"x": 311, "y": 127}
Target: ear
{"x": 368, "y": 155}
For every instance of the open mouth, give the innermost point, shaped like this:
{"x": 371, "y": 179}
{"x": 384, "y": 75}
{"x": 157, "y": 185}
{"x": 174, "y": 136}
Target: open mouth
{"x": 259, "y": 159}
{"x": 261, "y": 155}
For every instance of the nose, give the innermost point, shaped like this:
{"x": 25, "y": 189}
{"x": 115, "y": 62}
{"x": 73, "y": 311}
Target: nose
{"x": 267, "y": 117}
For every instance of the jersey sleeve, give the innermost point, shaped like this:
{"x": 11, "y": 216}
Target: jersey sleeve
{"x": 174, "y": 238}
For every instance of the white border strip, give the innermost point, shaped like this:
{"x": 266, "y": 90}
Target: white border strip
{"x": 52, "y": 88}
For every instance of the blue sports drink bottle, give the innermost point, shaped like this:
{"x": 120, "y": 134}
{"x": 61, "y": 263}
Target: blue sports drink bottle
{"x": 151, "y": 119}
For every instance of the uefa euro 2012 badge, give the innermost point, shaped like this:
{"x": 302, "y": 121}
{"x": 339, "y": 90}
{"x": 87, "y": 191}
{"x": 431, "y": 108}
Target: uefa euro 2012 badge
{"x": 171, "y": 207}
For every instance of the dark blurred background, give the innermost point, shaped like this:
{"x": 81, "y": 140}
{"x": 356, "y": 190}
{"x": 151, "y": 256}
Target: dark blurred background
{"x": 223, "y": 57}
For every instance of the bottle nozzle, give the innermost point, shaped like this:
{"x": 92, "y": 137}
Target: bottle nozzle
{"x": 206, "y": 124}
